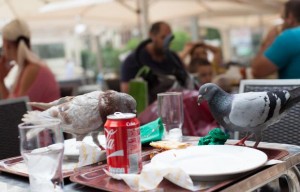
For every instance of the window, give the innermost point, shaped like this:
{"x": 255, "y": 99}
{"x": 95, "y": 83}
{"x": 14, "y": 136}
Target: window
{"x": 49, "y": 51}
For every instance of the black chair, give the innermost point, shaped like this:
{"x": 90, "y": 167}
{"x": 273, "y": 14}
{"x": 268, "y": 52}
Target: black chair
{"x": 287, "y": 130}
{"x": 11, "y": 112}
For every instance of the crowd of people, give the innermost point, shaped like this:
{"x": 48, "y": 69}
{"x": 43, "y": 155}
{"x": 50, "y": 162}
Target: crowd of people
{"x": 198, "y": 63}
{"x": 279, "y": 52}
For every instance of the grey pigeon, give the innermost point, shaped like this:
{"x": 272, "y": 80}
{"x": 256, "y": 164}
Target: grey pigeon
{"x": 83, "y": 114}
{"x": 248, "y": 112}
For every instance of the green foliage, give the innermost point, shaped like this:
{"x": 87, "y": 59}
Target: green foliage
{"x": 212, "y": 33}
{"x": 110, "y": 57}
{"x": 181, "y": 38}
{"x": 89, "y": 61}
{"x": 132, "y": 44}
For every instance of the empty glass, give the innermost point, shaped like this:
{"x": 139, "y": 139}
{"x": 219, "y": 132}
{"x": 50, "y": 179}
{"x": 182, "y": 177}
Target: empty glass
{"x": 42, "y": 147}
{"x": 170, "y": 110}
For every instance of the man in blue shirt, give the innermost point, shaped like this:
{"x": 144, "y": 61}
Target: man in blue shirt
{"x": 153, "y": 56}
{"x": 282, "y": 53}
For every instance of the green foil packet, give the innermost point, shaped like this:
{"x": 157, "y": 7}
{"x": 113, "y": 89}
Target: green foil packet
{"x": 152, "y": 131}
{"x": 215, "y": 137}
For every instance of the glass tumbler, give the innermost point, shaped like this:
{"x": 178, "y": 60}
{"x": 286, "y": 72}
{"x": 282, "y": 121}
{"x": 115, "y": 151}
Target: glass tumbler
{"x": 42, "y": 148}
{"x": 170, "y": 110}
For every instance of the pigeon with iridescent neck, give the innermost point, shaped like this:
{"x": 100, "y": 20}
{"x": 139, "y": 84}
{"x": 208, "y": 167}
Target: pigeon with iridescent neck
{"x": 248, "y": 112}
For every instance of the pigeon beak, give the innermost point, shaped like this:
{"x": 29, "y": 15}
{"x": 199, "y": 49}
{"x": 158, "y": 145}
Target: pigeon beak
{"x": 200, "y": 98}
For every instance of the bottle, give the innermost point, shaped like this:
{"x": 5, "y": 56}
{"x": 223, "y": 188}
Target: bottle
{"x": 101, "y": 82}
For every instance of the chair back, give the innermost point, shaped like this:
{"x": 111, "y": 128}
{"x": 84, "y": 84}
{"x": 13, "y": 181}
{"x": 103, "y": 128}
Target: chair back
{"x": 287, "y": 130}
{"x": 11, "y": 113}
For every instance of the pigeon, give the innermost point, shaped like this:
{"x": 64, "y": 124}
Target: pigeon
{"x": 248, "y": 112}
{"x": 84, "y": 114}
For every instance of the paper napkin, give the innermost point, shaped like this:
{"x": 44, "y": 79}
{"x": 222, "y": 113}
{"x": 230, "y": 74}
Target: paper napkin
{"x": 153, "y": 173}
{"x": 89, "y": 154}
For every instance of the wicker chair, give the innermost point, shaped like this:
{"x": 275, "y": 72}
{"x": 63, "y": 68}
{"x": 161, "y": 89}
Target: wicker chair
{"x": 11, "y": 112}
{"x": 287, "y": 130}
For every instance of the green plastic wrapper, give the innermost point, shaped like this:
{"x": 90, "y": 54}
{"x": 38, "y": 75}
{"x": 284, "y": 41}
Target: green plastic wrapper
{"x": 152, "y": 131}
{"x": 215, "y": 137}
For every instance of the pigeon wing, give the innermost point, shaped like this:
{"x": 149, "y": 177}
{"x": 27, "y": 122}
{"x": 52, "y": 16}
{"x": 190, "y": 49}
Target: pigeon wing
{"x": 81, "y": 113}
{"x": 79, "y": 116}
{"x": 45, "y": 106}
{"x": 255, "y": 108}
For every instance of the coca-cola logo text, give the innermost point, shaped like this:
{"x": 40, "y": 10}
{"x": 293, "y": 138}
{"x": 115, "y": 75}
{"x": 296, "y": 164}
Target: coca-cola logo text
{"x": 110, "y": 142}
{"x": 130, "y": 123}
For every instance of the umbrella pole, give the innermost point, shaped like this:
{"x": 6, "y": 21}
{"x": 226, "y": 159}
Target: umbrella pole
{"x": 143, "y": 17}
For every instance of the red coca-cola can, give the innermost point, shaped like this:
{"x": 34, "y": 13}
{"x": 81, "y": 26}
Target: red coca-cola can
{"x": 123, "y": 143}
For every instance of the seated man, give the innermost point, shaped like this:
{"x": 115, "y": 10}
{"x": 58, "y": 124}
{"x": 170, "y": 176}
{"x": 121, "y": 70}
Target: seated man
{"x": 153, "y": 56}
{"x": 282, "y": 53}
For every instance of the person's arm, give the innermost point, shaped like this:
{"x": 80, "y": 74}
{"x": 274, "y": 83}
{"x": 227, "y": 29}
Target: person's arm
{"x": 217, "y": 58}
{"x": 124, "y": 87}
{"x": 4, "y": 70}
{"x": 262, "y": 66}
{"x": 274, "y": 57}
{"x": 27, "y": 79}
{"x": 128, "y": 72}
{"x": 186, "y": 50}
{"x": 3, "y": 91}
{"x": 270, "y": 37}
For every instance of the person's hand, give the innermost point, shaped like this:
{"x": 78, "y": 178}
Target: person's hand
{"x": 186, "y": 50}
{"x": 4, "y": 68}
{"x": 188, "y": 46}
{"x": 270, "y": 37}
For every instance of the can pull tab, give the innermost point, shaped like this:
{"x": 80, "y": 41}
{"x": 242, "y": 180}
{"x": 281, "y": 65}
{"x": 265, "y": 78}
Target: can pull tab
{"x": 119, "y": 114}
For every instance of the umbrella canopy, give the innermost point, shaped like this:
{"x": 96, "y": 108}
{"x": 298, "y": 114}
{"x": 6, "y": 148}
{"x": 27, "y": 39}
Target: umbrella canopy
{"x": 120, "y": 13}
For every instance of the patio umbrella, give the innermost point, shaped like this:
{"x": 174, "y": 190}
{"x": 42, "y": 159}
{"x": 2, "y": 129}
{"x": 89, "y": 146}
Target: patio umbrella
{"x": 65, "y": 14}
{"x": 126, "y": 12}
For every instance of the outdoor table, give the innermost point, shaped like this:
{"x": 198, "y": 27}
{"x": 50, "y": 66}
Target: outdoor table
{"x": 14, "y": 183}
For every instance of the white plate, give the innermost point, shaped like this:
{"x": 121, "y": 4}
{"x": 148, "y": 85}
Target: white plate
{"x": 213, "y": 162}
{"x": 71, "y": 150}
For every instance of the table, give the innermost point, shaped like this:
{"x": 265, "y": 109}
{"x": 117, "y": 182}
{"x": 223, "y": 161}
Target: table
{"x": 288, "y": 168}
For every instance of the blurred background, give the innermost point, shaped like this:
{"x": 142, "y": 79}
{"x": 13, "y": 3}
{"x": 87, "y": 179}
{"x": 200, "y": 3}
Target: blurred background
{"x": 85, "y": 41}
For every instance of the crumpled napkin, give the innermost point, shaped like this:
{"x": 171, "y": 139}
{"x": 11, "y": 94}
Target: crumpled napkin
{"x": 153, "y": 173}
{"x": 89, "y": 154}
{"x": 214, "y": 137}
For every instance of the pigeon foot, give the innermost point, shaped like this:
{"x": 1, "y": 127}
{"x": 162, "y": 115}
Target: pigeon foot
{"x": 242, "y": 141}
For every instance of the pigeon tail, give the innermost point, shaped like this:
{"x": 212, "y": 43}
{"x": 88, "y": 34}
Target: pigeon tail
{"x": 33, "y": 116}
{"x": 294, "y": 98}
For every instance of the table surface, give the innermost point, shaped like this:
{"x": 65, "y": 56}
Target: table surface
{"x": 14, "y": 183}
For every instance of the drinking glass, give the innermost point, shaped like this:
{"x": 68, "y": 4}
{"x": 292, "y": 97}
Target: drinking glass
{"x": 170, "y": 110}
{"x": 42, "y": 147}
